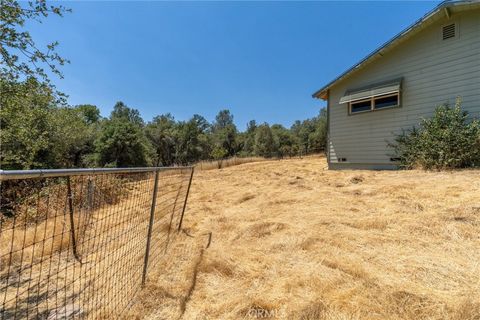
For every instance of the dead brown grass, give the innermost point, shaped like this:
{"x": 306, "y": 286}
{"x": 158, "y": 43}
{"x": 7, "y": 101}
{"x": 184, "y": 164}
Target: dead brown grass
{"x": 36, "y": 253}
{"x": 292, "y": 240}
{"x": 225, "y": 163}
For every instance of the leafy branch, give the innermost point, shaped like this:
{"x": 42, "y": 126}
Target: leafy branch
{"x": 20, "y": 57}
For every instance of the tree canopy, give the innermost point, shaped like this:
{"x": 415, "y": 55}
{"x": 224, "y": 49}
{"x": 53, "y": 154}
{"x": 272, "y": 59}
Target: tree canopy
{"x": 39, "y": 129}
{"x": 38, "y": 132}
{"x": 20, "y": 57}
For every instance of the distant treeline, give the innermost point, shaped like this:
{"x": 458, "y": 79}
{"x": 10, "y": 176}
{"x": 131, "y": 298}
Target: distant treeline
{"x": 39, "y": 132}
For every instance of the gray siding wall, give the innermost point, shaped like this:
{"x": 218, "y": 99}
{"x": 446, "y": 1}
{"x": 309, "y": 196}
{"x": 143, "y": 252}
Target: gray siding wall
{"x": 434, "y": 71}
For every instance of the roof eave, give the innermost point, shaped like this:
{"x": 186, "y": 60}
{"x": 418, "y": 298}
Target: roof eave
{"x": 321, "y": 93}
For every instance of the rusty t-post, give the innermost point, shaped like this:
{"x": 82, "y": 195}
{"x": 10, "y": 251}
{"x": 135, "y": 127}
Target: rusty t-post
{"x": 72, "y": 220}
{"x": 150, "y": 227}
{"x": 186, "y": 198}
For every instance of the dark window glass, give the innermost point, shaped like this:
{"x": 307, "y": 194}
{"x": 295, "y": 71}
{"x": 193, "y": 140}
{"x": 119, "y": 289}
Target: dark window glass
{"x": 385, "y": 102}
{"x": 361, "y": 106}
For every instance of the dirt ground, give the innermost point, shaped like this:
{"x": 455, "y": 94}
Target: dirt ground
{"x": 292, "y": 240}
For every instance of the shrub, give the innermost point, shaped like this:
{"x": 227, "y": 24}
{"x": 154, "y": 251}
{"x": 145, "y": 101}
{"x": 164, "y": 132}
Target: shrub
{"x": 448, "y": 140}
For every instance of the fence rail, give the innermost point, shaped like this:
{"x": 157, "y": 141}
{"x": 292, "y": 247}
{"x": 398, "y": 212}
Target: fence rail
{"x": 79, "y": 243}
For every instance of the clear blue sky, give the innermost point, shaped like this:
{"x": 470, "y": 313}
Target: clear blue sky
{"x": 261, "y": 60}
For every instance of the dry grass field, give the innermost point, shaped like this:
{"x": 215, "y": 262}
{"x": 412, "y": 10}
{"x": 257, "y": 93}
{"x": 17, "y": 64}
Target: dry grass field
{"x": 41, "y": 278}
{"x": 292, "y": 240}
{"x": 225, "y": 163}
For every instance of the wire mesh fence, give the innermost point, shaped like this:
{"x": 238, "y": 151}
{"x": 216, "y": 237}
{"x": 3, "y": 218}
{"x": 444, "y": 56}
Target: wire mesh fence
{"x": 79, "y": 243}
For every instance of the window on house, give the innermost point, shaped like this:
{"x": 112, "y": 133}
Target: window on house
{"x": 374, "y": 103}
{"x": 386, "y": 101}
{"x": 360, "y": 106}
{"x": 374, "y": 97}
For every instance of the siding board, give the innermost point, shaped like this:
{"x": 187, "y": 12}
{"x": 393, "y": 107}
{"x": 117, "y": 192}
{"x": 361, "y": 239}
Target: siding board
{"x": 434, "y": 72}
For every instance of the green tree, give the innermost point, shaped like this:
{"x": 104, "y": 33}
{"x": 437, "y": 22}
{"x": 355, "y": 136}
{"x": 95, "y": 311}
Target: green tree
{"x": 302, "y": 130}
{"x": 20, "y": 56}
{"x": 285, "y": 143}
{"x": 218, "y": 154}
{"x": 264, "y": 141}
{"x": 72, "y": 138}
{"x": 121, "y": 142}
{"x": 249, "y": 138}
{"x": 225, "y": 133}
{"x": 122, "y": 112}
{"x": 202, "y": 123}
{"x": 226, "y": 138}
{"x": 223, "y": 119}
{"x": 161, "y": 134}
{"x": 317, "y": 140}
{"x": 25, "y": 120}
{"x": 205, "y": 139}
{"x": 447, "y": 140}
{"x": 311, "y": 134}
{"x": 38, "y": 134}
{"x": 188, "y": 144}
{"x": 90, "y": 113}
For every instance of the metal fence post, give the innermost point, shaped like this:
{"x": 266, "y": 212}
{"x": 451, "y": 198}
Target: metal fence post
{"x": 150, "y": 227}
{"x": 94, "y": 215}
{"x": 72, "y": 219}
{"x": 185, "y": 202}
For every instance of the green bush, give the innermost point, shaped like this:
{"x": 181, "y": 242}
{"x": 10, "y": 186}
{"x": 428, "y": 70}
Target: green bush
{"x": 448, "y": 140}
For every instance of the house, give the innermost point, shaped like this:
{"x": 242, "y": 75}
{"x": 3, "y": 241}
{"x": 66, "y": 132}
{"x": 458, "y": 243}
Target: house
{"x": 430, "y": 63}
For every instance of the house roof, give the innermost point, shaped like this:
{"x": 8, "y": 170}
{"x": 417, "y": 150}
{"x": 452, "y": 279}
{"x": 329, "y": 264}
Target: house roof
{"x": 445, "y": 7}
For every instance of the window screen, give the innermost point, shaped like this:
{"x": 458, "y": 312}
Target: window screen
{"x": 361, "y": 106}
{"x": 386, "y": 102}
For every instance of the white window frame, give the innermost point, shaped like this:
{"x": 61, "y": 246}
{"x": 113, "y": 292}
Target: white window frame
{"x": 372, "y": 103}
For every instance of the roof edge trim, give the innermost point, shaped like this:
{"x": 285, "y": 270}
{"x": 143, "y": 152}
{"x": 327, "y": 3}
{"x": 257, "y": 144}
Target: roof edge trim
{"x": 440, "y": 7}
